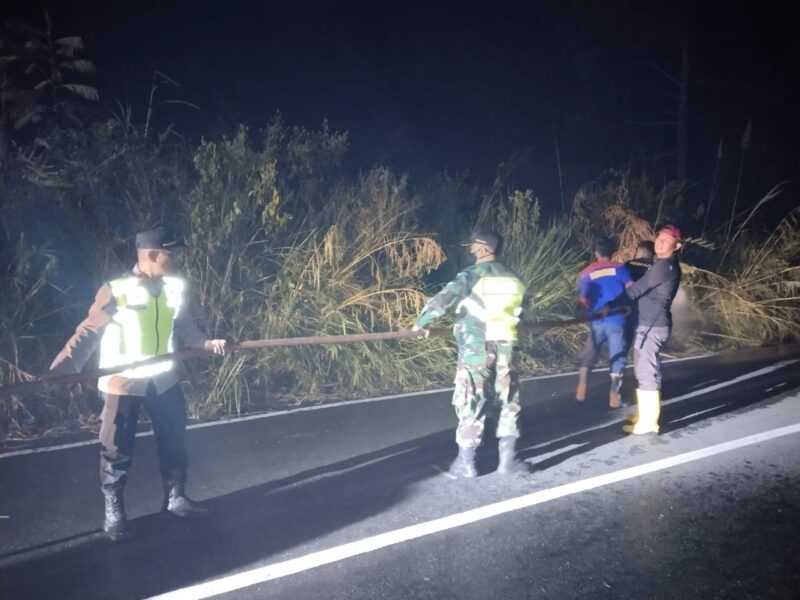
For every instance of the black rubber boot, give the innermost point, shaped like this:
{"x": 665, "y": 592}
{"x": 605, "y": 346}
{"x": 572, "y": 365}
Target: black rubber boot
{"x": 509, "y": 463}
{"x": 463, "y": 466}
{"x": 115, "y": 525}
{"x": 177, "y": 503}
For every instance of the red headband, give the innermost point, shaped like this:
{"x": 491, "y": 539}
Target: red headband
{"x": 673, "y": 232}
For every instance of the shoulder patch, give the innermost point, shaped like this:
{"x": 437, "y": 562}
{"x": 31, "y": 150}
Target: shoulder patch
{"x": 609, "y": 272}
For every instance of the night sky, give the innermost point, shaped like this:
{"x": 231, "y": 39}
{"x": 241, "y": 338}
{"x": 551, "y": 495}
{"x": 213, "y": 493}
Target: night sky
{"x": 464, "y": 86}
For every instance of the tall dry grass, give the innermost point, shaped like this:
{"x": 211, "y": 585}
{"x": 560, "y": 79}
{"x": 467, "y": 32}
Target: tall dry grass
{"x": 544, "y": 255}
{"x": 281, "y": 245}
{"x": 548, "y": 259}
{"x": 354, "y": 265}
{"x": 615, "y": 205}
{"x": 755, "y": 297}
{"x": 363, "y": 272}
{"x": 31, "y": 307}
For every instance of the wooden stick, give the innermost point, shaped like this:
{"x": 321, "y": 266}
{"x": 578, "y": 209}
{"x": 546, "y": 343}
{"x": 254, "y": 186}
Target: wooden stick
{"x": 48, "y": 380}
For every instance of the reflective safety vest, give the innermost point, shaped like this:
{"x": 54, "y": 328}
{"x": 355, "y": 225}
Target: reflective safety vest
{"x": 496, "y": 301}
{"x": 142, "y": 326}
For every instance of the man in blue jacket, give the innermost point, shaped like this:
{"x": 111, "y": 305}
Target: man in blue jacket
{"x": 599, "y": 284}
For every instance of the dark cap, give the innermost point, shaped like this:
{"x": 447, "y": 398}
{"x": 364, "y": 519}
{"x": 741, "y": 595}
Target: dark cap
{"x": 484, "y": 236}
{"x": 158, "y": 239}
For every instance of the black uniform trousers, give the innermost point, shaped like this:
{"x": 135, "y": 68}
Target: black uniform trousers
{"x": 167, "y": 412}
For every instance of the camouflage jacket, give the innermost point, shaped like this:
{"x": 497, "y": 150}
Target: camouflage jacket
{"x": 488, "y": 299}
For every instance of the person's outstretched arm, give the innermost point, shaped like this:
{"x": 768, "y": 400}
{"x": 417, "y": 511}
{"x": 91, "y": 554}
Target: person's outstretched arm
{"x": 82, "y": 344}
{"x": 451, "y": 294}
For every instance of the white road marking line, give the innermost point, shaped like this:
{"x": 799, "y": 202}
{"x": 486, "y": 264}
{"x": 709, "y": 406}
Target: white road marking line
{"x": 734, "y": 381}
{"x": 405, "y": 534}
{"x": 702, "y": 412}
{"x": 776, "y": 386}
{"x": 546, "y": 455}
{"x": 702, "y": 383}
{"x": 628, "y": 411}
{"x": 341, "y": 471}
{"x": 289, "y": 411}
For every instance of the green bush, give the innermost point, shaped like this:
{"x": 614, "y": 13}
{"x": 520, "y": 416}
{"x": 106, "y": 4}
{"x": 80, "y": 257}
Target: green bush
{"x": 281, "y": 244}
{"x": 353, "y": 265}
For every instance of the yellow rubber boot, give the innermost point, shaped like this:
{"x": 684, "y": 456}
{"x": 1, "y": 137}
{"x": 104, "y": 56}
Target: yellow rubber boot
{"x": 649, "y": 405}
{"x": 583, "y": 380}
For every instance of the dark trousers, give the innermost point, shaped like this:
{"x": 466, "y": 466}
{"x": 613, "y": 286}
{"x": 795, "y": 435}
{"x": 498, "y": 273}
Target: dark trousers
{"x": 167, "y": 412}
{"x": 647, "y": 356}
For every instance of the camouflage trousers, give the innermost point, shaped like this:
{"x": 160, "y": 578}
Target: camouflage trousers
{"x": 486, "y": 384}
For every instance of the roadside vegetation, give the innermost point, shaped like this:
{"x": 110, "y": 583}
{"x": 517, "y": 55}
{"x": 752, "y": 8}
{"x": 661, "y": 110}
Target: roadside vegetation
{"x": 282, "y": 243}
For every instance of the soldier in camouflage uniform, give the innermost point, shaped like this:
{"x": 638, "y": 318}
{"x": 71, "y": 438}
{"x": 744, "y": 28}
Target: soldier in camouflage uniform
{"x": 488, "y": 299}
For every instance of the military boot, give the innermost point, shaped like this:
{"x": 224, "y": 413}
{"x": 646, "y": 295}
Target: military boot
{"x": 115, "y": 525}
{"x": 177, "y": 503}
{"x": 463, "y": 466}
{"x": 509, "y": 464}
{"x": 583, "y": 381}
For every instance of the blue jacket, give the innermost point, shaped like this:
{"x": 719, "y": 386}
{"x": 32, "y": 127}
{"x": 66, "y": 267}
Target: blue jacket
{"x": 599, "y": 284}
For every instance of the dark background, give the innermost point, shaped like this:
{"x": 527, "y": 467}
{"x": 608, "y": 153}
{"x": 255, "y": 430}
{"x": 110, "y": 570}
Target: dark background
{"x": 463, "y": 86}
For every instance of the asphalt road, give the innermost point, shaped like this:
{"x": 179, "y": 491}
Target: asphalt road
{"x": 350, "y": 502}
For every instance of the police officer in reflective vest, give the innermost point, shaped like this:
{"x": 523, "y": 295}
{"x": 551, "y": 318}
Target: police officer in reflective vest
{"x": 488, "y": 300}
{"x": 135, "y": 317}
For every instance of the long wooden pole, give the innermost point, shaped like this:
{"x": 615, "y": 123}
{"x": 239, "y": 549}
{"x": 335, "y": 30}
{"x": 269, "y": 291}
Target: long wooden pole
{"x": 54, "y": 380}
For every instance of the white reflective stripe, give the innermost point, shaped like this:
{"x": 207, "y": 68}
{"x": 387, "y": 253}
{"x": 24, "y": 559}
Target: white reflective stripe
{"x": 144, "y": 372}
{"x": 148, "y": 370}
{"x": 136, "y": 296}
{"x": 129, "y": 319}
{"x": 473, "y": 308}
{"x": 500, "y": 294}
{"x": 500, "y": 326}
{"x": 129, "y": 288}
{"x": 127, "y": 333}
{"x": 505, "y": 286}
{"x": 496, "y": 301}
{"x": 174, "y": 290}
{"x": 501, "y": 331}
{"x": 484, "y": 313}
{"x": 126, "y": 326}
{"x": 109, "y": 345}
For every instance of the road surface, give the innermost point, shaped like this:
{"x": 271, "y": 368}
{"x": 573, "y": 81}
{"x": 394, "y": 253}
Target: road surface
{"x": 349, "y": 501}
